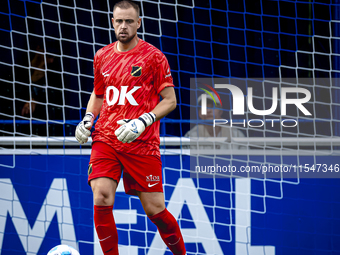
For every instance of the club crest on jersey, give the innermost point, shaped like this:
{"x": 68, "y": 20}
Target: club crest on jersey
{"x": 136, "y": 71}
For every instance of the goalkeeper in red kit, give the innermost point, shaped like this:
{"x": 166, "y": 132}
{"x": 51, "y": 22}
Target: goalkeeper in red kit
{"x": 129, "y": 77}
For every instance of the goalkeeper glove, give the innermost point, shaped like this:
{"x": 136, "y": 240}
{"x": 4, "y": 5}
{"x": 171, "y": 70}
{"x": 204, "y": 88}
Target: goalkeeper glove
{"x": 83, "y": 129}
{"x": 131, "y": 129}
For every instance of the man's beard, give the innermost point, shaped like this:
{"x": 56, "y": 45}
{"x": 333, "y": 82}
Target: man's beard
{"x": 125, "y": 40}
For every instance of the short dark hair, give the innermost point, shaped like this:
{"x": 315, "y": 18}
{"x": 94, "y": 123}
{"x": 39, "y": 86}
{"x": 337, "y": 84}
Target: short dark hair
{"x": 126, "y": 4}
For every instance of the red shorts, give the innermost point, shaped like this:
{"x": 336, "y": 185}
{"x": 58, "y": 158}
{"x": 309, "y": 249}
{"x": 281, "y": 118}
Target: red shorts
{"x": 140, "y": 172}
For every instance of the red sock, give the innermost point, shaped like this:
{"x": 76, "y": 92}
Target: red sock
{"x": 106, "y": 229}
{"x": 169, "y": 231}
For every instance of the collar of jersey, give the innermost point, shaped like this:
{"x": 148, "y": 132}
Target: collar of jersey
{"x": 129, "y": 51}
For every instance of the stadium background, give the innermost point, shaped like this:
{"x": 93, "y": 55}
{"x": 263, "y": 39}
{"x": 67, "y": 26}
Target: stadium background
{"x": 44, "y": 196}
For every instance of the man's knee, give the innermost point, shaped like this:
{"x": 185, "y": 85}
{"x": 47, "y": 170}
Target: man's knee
{"x": 152, "y": 209}
{"x": 102, "y": 198}
{"x": 153, "y": 203}
{"x": 103, "y": 191}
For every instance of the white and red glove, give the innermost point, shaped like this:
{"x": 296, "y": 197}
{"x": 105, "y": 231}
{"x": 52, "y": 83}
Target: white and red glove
{"x": 83, "y": 129}
{"x": 131, "y": 129}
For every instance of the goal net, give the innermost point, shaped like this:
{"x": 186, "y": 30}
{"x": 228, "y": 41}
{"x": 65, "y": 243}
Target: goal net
{"x": 251, "y": 147}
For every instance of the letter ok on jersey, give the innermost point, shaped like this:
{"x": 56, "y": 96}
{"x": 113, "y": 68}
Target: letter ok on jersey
{"x": 121, "y": 95}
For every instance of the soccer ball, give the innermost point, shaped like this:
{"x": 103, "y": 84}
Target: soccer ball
{"x": 63, "y": 249}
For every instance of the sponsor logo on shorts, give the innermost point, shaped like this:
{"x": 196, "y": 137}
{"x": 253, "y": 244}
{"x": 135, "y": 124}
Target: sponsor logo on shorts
{"x": 89, "y": 170}
{"x": 152, "y": 180}
{"x": 151, "y": 185}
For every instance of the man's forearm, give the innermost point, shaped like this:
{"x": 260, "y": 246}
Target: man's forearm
{"x": 95, "y": 104}
{"x": 164, "y": 107}
{"x": 167, "y": 105}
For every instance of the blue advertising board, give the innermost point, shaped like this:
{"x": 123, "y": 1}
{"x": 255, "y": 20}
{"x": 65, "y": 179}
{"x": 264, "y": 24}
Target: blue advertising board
{"x": 45, "y": 200}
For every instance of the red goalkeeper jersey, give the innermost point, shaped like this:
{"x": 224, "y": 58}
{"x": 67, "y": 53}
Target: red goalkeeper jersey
{"x": 130, "y": 82}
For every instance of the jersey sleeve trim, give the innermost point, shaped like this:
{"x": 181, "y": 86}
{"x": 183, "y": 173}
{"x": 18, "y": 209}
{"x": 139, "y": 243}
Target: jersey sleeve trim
{"x": 164, "y": 85}
{"x": 98, "y": 94}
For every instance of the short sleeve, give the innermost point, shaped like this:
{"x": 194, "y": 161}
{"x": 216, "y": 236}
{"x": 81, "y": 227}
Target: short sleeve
{"x": 98, "y": 78}
{"x": 162, "y": 74}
